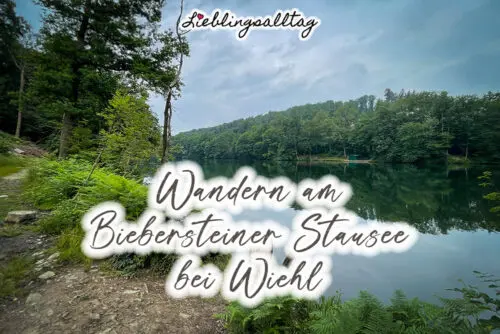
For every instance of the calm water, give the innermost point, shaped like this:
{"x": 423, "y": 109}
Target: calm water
{"x": 458, "y": 233}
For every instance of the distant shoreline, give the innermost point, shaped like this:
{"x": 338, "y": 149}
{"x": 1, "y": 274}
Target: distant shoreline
{"x": 334, "y": 160}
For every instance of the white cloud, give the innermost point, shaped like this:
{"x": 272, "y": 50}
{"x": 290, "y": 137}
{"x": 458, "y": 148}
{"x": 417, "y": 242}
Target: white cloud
{"x": 361, "y": 47}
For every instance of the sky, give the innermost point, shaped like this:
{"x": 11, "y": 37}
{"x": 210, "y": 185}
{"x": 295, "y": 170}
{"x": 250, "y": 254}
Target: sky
{"x": 361, "y": 47}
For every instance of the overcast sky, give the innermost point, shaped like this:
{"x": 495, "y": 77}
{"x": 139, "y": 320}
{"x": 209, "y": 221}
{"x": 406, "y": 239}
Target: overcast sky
{"x": 361, "y": 47}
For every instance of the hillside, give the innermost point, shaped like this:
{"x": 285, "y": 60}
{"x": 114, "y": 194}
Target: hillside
{"x": 404, "y": 127}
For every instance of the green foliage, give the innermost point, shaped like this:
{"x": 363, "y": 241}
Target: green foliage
{"x": 4, "y": 146}
{"x": 51, "y": 182}
{"x": 7, "y": 142}
{"x": 12, "y": 29}
{"x": 131, "y": 264}
{"x": 487, "y": 182}
{"x": 69, "y": 246}
{"x": 62, "y": 186}
{"x": 8, "y": 166}
{"x": 84, "y": 51}
{"x": 276, "y": 315}
{"x": 409, "y": 127}
{"x": 12, "y": 275}
{"x": 472, "y": 312}
{"x": 220, "y": 260}
{"x": 132, "y": 136}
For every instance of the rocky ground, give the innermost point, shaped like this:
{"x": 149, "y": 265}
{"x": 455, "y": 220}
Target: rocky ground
{"x": 58, "y": 298}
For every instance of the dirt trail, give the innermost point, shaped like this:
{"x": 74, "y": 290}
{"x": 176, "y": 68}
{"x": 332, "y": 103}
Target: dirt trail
{"x": 76, "y": 301}
{"x": 69, "y": 299}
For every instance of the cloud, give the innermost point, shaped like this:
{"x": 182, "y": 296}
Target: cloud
{"x": 361, "y": 47}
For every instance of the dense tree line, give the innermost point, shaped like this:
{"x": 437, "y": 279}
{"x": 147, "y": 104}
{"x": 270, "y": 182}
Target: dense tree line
{"x": 404, "y": 127}
{"x": 89, "y": 57}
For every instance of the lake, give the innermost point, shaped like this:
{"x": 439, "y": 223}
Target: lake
{"x": 458, "y": 234}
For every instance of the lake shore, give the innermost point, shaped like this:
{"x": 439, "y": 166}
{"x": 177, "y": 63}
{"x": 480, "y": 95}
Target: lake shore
{"x": 337, "y": 160}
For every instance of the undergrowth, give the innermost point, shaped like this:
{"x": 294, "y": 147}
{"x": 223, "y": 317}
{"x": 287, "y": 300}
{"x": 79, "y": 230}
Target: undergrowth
{"x": 472, "y": 311}
{"x": 62, "y": 188}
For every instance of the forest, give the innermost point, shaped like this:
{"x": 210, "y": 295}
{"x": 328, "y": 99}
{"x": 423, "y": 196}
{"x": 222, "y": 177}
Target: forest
{"x": 73, "y": 89}
{"x": 79, "y": 85}
{"x": 402, "y": 127}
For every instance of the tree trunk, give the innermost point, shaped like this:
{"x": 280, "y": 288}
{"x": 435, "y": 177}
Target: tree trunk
{"x": 467, "y": 150}
{"x": 345, "y": 154}
{"x": 167, "y": 131}
{"x": 75, "y": 83}
{"x": 20, "y": 104}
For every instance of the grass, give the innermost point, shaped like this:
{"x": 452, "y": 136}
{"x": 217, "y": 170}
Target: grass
{"x": 11, "y": 188}
{"x": 10, "y": 164}
{"x": 7, "y": 170}
{"x": 69, "y": 247}
{"x": 13, "y": 230}
{"x": 13, "y": 274}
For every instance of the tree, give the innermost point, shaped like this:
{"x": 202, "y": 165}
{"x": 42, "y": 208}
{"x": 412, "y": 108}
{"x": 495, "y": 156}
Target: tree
{"x": 103, "y": 36}
{"x": 411, "y": 128}
{"x": 12, "y": 30}
{"x": 182, "y": 49}
{"x": 390, "y": 96}
{"x": 132, "y": 133}
{"x": 21, "y": 55}
{"x": 344, "y": 125}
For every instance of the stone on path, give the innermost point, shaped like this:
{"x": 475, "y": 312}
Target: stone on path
{"x": 18, "y": 151}
{"x": 34, "y": 298}
{"x": 53, "y": 257}
{"x": 47, "y": 275}
{"x": 22, "y": 216}
{"x": 184, "y": 315}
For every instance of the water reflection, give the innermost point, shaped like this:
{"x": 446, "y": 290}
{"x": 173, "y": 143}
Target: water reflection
{"x": 458, "y": 233}
{"x": 434, "y": 200}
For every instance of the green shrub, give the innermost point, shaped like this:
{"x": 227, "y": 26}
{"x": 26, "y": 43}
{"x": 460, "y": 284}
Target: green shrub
{"x": 472, "y": 312}
{"x": 51, "y": 182}
{"x": 131, "y": 264}
{"x": 69, "y": 246}
{"x": 275, "y": 315}
{"x": 62, "y": 186}
{"x": 7, "y": 142}
{"x": 220, "y": 260}
{"x": 4, "y": 146}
